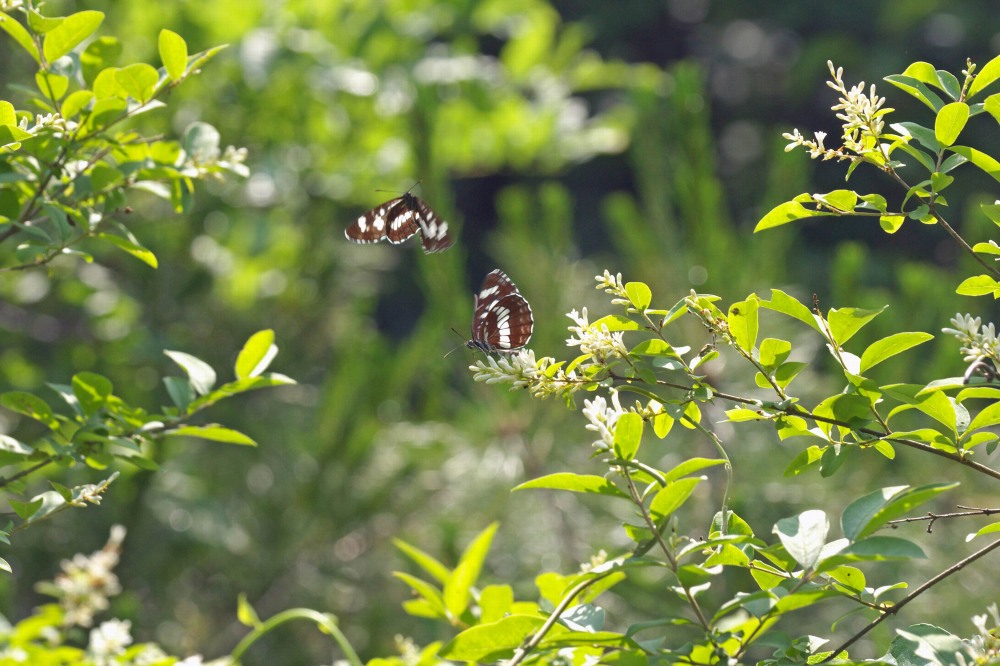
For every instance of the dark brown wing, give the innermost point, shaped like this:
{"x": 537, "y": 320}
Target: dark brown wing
{"x": 393, "y": 220}
{"x": 501, "y": 320}
{"x": 433, "y": 230}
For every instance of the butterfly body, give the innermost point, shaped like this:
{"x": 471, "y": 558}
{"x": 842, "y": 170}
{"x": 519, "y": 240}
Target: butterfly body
{"x": 399, "y": 219}
{"x": 501, "y": 320}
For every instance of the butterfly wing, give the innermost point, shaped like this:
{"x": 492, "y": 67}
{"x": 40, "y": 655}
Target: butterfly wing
{"x": 510, "y": 323}
{"x": 433, "y": 230}
{"x": 502, "y": 318}
{"x": 394, "y": 220}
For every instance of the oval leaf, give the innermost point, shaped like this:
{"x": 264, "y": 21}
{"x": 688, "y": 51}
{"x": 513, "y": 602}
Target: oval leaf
{"x": 577, "y": 483}
{"x": 804, "y": 535}
{"x": 628, "y": 435}
{"x": 74, "y": 29}
{"x": 173, "y": 53}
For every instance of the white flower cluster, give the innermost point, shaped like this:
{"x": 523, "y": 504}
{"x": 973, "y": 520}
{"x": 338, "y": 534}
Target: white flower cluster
{"x": 987, "y": 643}
{"x": 521, "y": 370}
{"x": 86, "y": 583}
{"x": 109, "y": 641}
{"x": 53, "y": 120}
{"x": 862, "y": 115}
{"x": 612, "y": 284}
{"x": 603, "y": 419}
{"x": 7, "y": 5}
{"x": 596, "y": 340}
{"x": 977, "y": 342}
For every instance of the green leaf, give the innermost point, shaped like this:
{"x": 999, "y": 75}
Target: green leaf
{"x": 495, "y": 601}
{"x": 639, "y": 294}
{"x": 615, "y": 323}
{"x": 925, "y": 644}
{"x": 213, "y": 432}
{"x": 29, "y": 405}
{"x": 91, "y": 391}
{"x": 425, "y": 561}
{"x": 173, "y": 53}
{"x": 628, "y": 435}
{"x": 785, "y": 304}
{"x": 25, "y": 510}
{"x": 245, "y": 612}
{"x": 979, "y": 285}
{"x": 980, "y": 159}
{"x": 577, "y": 483}
{"x": 458, "y": 587}
{"x": 790, "y": 211}
{"x": 52, "y": 86}
{"x": 672, "y": 496}
{"x": 989, "y": 73}
{"x": 891, "y": 223}
{"x": 774, "y": 352}
{"x": 950, "y": 122}
{"x": 73, "y": 30}
{"x": 427, "y": 592}
{"x": 867, "y": 514}
{"x": 845, "y": 322}
{"x": 201, "y": 374}
{"x": 20, "y": 35}
{"x": 256, "y": 355}
{"x": 913, "y": 81}
{"x": 491, "y": 642}
{"x": 138, "y": 80}
{"x": 841, "y": 200}
{"x": 992, "y": 106}
{"x": 987, "y": 417}
{"x": 180, "y": 391}
{"x": 992, "y": 528}
{"x": 938, "y": 406}
{"x": 873, "y": 549}
{"x": 75, "y": 103}
{"x": 8, "y": 116}
{"x": 890, "y": 346}
{"x": 743, "y": 322}
{"x": 137, "y": 251}
{"x": 690, "y": 466}
{"x": 804, "y": 535}
{"x": 654, "y": 347}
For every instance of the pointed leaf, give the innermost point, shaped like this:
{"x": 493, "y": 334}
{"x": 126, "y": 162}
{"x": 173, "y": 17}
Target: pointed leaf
{"x": 989, "y": 73}
{"x": 458, "y": 587}
{"x": 890, "y": 346}
{"x": 845, "y": 322}
{"x": 785, "y": 304}
{"x": 491, "y": 642}
{"x": 20, "y": 35}
{"x": 425, "y": 561}
{"x": 867, "y": 514}
{"x": 216, "y": 433}
{"x": 672, "y": 496}
{"x": 790, "y": 211}
{"x": 577, "y": 483}
{"x": 256, "y": 355}
{"x": 201, "y": 374}
{"x": 137, "y": 251}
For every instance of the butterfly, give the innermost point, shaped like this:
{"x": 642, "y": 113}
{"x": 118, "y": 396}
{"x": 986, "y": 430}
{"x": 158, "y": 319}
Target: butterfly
{"x": 399, "y": 219}
{"x": 501, "y": 319}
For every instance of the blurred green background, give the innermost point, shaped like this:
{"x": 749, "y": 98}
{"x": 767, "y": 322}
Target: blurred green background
{"x": 558, "y": 139}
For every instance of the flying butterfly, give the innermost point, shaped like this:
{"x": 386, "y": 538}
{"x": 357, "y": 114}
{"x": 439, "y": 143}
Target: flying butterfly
{"x": 399, "y": 219}
{"x": 501, "y": 320}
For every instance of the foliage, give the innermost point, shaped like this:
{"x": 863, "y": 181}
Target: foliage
{"x": 639, "y": 351}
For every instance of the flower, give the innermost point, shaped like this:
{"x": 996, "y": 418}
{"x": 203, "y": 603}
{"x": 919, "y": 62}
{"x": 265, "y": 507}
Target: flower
{"x": 977, "y": 342}
{"x": 612, "y": 284}
{"x": 596, "y": 340}
{"x": 543, "y": 377}
{"x": 863, "y": 121}
{"x": 603, "y": 419}
{"x": 109, "y": 640}
{"x": 86, "y": 583}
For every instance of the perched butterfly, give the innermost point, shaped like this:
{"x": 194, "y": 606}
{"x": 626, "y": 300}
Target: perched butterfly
{"x": 501, "y": 320}
{"x": 399, "y": 219}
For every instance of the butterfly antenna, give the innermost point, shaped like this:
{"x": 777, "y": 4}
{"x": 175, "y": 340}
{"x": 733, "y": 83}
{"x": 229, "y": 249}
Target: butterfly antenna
{"x": 457, "y": 333}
